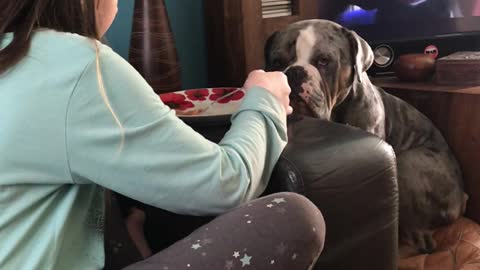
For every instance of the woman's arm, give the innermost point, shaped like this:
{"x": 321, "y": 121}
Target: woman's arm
{"x": 163, "y": 162}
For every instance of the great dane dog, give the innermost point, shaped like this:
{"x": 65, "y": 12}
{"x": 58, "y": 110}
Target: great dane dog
{"x": 326, "y": 67}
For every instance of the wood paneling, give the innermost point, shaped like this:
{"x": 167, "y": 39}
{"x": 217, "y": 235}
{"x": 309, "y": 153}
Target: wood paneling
{"x": 222, "y": 22}
{"x": 455, "y": 110}
{"x": 252, "y": 31}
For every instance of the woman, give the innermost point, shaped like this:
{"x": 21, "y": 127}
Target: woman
{"x": 76, "y": 118}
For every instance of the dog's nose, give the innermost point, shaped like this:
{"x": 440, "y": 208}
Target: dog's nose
{"x": 296, "y": 77}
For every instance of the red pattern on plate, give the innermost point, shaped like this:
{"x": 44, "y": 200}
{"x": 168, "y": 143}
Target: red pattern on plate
{"x": 193, "y": 102}
{"x": 220, "y": 92}
{"x": 197, "y": 94}
{"x": 176, "y": 101}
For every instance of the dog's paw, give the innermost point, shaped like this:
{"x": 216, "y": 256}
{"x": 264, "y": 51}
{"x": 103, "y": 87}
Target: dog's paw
{"x": 424, "y": 242}
{"x": 464, "y": 203}
{"x": 417, "y": 243}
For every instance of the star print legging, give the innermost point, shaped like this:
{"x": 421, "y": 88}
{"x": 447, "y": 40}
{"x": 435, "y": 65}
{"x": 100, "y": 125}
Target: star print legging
{"x": 283, "y": 231}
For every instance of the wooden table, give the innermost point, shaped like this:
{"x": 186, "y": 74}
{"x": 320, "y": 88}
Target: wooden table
{"x": 455, "y": 110}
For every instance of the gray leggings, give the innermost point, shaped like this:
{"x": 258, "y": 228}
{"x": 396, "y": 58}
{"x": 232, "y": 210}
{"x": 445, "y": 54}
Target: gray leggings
{"x": 283, "y": 231}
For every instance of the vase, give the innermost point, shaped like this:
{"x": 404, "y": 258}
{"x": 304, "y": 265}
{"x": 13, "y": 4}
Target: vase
{"x": 152, "y": 47}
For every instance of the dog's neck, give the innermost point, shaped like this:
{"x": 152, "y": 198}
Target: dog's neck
{"x": 360, "y": 89}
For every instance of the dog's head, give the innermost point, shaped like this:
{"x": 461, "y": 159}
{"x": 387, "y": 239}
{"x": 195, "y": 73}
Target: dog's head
{"x": 323, "y": 62}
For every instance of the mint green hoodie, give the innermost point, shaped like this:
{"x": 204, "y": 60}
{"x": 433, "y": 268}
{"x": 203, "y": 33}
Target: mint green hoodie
{"x": 59, "y": 148}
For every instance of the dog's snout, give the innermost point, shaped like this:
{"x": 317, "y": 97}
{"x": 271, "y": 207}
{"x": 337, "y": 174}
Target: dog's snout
{"x": 296, "y": 77}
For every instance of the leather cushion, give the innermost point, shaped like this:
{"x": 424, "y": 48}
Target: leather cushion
{"x": 458, "y": 248}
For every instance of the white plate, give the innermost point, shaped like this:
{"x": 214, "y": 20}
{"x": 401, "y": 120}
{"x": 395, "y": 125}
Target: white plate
{"x": 193, "y": 102}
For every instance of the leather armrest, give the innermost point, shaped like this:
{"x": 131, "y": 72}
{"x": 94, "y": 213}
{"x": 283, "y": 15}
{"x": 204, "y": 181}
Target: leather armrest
{"x": 286, "y": 177}
{"x": 351, "y": 176}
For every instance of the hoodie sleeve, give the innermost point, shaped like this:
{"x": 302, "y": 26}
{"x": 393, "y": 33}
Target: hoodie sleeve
{"x": 161, "y": 161}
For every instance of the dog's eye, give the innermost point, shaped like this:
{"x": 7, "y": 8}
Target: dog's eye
{"x": 322, "y": 61}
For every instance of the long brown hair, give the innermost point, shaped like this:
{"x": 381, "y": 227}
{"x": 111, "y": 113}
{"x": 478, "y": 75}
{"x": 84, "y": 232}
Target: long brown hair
{"x": 23, "y": 17}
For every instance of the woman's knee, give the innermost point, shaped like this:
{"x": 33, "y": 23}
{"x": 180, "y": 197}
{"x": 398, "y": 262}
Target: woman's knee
{"x": 309, "y": 212}
{"x": 300, "y": 217}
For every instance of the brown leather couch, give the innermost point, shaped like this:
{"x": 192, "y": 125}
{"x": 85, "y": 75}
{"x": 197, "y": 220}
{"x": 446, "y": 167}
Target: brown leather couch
{"x": 349, "y": 174}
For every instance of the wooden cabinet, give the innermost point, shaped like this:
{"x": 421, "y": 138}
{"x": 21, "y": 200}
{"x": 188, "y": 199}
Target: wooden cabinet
{"x": 455, "y": 110}
{"x": 236, "y": 32}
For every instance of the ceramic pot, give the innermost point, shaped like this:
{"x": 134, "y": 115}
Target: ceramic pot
{"x": 414, "y": 67}
{"x": 152, "y": 46}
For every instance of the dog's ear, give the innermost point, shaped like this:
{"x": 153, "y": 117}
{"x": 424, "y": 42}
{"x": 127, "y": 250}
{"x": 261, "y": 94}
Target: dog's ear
{"x": 268, "y": 47}
{"x": 362, "y": 54}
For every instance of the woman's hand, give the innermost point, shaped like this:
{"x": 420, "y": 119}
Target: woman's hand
{"x": 275, "y": 82}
